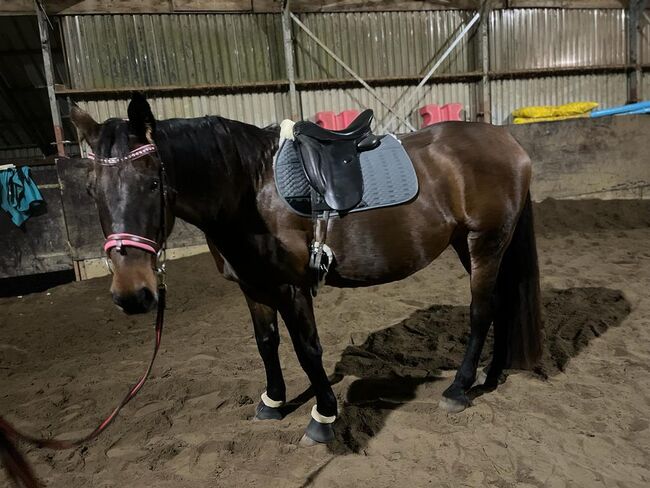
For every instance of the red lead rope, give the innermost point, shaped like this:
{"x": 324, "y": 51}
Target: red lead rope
{"x": 15, "y": 463}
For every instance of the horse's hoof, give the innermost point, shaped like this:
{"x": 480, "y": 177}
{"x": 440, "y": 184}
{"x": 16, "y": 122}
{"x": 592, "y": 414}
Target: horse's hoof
{"x": 450, "y": 405}
{"x": 264, "y": 412}
{"x": 454, "y": 399}
{"x": 317, "y": 433}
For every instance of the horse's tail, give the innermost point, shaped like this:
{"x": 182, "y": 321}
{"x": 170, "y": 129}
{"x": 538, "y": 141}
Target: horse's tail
{"x": 15, "y": 463}
{"x": 518, "y": 320}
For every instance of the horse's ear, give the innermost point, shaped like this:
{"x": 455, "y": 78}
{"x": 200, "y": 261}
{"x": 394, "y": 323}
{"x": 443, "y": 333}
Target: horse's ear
{"x": 141, "y": 120}
{"x": 85, "y": 124}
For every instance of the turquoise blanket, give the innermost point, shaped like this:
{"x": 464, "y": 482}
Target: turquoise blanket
{"x": 19, "y": 195}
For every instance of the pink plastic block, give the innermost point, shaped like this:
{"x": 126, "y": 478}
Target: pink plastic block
{"x": 451, "y": 111}
{"x": 434, "y": 113}
{"x": 326, "y": 120}
{"x": 345, "y": 118}
{"x": 329, "y": 120}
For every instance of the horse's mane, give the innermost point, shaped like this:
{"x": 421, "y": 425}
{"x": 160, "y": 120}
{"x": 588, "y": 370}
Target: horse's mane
{"x": 207, "y": 141}
{"x": 214, "y": 140}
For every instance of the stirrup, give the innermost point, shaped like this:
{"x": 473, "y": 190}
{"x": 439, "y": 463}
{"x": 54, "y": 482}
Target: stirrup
{"x": 320, "y": 260}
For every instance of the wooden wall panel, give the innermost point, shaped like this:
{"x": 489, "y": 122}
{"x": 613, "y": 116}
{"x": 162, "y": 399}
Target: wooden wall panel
{"x": 40, "y": 244}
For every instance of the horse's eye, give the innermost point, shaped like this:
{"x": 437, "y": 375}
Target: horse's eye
{"x": 154, "y": 185}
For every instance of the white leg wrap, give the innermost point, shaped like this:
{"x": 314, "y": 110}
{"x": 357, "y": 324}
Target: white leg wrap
{"x": 321, "y": 419}
{"x": 271, "y": 403}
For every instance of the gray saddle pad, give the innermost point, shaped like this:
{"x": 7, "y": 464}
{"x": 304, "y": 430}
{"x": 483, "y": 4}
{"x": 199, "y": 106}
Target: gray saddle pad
{"x": 388, "y": 177}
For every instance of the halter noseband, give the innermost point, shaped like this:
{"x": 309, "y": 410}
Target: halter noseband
{"x": 124, "y": 239}
{"x": 118, "y": 241}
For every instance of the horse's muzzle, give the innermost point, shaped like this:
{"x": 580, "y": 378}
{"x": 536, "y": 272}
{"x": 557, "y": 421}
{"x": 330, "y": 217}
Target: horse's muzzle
{"x": 142, "y": 301}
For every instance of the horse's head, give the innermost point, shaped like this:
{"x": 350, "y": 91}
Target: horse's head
{"x": 127, "y": 181}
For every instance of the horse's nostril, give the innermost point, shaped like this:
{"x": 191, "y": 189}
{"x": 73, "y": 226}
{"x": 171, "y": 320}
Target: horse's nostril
{"x": 146, "y": 298}
{"x": 139, "y": 302}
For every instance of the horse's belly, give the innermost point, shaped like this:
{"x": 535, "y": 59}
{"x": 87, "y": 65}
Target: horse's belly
{"x": 380, "y": 246}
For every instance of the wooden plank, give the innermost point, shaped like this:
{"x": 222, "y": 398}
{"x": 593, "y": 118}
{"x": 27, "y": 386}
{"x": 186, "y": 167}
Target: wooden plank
{"x": 48, "y": 68}
{"x": 381, "y": 5}
{"x": 588, "y": 158}
{"x": 267, "y": 6}
{"x": 567, "y": 4}
{"x": 69, "y": 7}
{"x": 40, "y": 245}
{"x": 63, "y": 7}
{"x": 212, "y": 5}
{"x": 84, "y": 231}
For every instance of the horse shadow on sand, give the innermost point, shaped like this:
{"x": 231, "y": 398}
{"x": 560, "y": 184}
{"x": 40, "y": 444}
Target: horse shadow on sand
{"x": 385, "y": 371}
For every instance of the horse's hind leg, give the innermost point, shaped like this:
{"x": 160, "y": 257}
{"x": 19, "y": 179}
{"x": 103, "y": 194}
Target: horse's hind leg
{"x": 298, "y": 313}
{"x": 267, "y": 336}
{"x": 485, "y": 252}
{"x": 490, "y": 376}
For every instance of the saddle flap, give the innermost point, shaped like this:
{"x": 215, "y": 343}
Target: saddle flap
{"x": 333, "y": 170}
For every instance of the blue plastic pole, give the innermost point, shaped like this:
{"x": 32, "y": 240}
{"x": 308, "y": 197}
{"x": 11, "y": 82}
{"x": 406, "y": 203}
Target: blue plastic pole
{"x": 623, "y": 109}
{"x": 640, "y": 111}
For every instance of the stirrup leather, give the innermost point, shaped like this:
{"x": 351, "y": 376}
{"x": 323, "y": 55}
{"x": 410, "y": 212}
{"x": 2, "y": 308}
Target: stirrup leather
{"x": 321, "y": 256}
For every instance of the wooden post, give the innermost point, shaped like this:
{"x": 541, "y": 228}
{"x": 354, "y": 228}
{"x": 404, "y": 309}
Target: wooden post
{"x": 49, "y": 76}
{"x": 296, "y": 109}
{"x": 484, "y": 112}
{"x": 634, "y": 76}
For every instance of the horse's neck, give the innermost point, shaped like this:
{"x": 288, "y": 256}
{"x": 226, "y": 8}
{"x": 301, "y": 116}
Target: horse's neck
{"x": 214, "y": 189}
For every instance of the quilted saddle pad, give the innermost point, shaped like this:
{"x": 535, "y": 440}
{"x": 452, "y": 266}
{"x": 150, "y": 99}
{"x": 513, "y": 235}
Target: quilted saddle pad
{"x": 388, "y": 177}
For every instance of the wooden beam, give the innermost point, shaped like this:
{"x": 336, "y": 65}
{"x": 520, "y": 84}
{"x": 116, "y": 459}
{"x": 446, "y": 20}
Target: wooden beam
{"x": 212, "y": 5}
{"x": 289, "y": 61}
{"x": 67, "y": 7}
{"x": 74, "y": 7}
{"x": 634, "y": 78}
{"x": 44, "y": 30}
{"x": 568, "y": 4}
{"x": 484, "y": 93}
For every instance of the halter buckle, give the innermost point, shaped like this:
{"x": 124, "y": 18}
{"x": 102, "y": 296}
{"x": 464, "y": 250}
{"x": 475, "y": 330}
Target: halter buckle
{"x": 160, "y": 267}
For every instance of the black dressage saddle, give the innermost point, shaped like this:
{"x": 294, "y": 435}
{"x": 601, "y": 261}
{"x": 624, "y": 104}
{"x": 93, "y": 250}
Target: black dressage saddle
{"x": 331, "y": 161}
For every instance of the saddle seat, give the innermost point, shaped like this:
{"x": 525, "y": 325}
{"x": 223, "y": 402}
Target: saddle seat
{"x": 331, "y": 161}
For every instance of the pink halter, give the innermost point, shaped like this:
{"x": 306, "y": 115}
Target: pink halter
{"x": 132, "y": 156}
{"x": 123, "y": 239}
{"x": 118, "y": 241}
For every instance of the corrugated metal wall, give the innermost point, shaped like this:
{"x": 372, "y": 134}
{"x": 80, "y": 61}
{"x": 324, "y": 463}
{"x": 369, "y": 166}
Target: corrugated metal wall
{"x": 556, "y": 38}
{"x": 195, "y": 49}
{"x": 107, "y": 51}
{"x": 382, "y": 44}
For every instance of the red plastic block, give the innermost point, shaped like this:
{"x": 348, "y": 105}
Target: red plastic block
{"x": 434, "y": 113}
{"x": 329, "y": 120}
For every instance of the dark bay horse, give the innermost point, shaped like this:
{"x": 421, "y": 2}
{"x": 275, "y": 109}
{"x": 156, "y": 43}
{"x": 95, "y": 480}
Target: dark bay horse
{"x": 474, "y": 195}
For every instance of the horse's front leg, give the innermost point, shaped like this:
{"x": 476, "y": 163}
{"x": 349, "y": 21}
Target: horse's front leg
{"x": 296, "y": 308}
{"x": 267, "y": 336}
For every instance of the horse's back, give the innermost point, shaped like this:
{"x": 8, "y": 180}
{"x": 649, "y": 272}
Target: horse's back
{"x": 480, "y": 168}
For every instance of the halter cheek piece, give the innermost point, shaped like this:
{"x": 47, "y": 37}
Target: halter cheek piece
{"x": 122, "y": 240}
